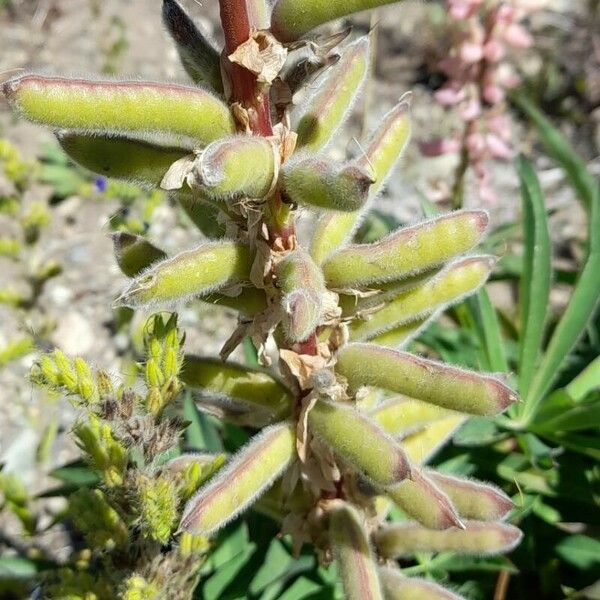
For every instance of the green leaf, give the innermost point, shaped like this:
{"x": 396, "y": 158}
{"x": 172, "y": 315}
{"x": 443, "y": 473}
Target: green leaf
{"x": 559, "y": 148}
{"x": 535, "y": 281}
{"x": 580, "y": 550}
{"x": 76, "y": 473}
{"x": 201, "y": 434}
{"x": 587, "y": 381}
{"x": 301, "y": 588}
{"x": 16, "y": 567}
{"x": 275, "y": 566}
{"x": 216, "y": 583}
{"x": 582, "y": 306}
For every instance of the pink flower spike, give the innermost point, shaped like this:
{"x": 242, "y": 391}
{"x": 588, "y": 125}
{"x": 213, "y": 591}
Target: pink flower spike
{"x": 516, "y": 35}
{"x": 471, "y": 52}
{"x": 470, "y": 110}
{"x": 449, "y": 96}
{"x": 463, "y": 9}
{"x": 439, "y": 147}
{"x": 493, "y": 94}
{"x": 498, "y": 148}
{"x": 494, "y": 51}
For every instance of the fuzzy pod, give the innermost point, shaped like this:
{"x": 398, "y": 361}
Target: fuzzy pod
{"x": 242, "y": 394}
{"x": 478, "y": 538}
{"x": 135, "y": 253}
{"x": 423, "y": 379}
{"x": 317, "y": 119}
{"x": 138, "y": 161}
{"x": 236, "y": 166}
{"x": 473, "y": 499}
{"x": 400, "y": 336}
{"x": 200, "y": 59}
{"x": 398, "y": 587}
{"x": 193, "y": 273}
{"x": 313, "y": 181}
{"x": 406, "y": 252}
{"x": 452, "y": 285}
{"x": 302, "y": 287}
{"x": 291, "y": 19}
{"x": 352, "y": 552}
{"x": 120, "y": 106}
{"x": 359, "y": 442}
{"x": 383, "y": 152}
{"x": 422, "y": 500}
{"x": 247, "y": 475}
{"x": 422, "y": 445}
{"x": 203, "y": 213}
{"x": 402, "y": 416}
{"x": 250, "y": 301}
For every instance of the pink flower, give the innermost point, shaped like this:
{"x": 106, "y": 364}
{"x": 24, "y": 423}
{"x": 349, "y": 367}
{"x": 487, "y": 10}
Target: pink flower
{"x": 439, "y": 146}
{"x": 494, "y": 50}
{"x": 471, "y": 109}
{"x": 516, "y": 35}
{"x": 449, "y": 96}
{"x": 463, "y": 9}
{"x": 498, "y": 148}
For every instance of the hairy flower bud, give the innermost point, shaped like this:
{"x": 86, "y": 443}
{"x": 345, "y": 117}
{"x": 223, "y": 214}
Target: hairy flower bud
{"x": 406, "y": 539}
{"x": 398, "y": 587}
{"x": 317, "y": 120}
{"x": 157, "y": 503}
{"x": 473, "y": 500}
{"x": 353, "y": 554}
{"x": 190, "y": 274}
{"x": 358, "y": 441}
{"x": 316, "y": 182}
{"x": 301, "y": 283}
{"x": 198, "y": 56}
{"x": 244, "y": 395}
{"x": 457, "y": 281}
{"x": 249, "y": 473}
{"x": 407, "y": 251}
{"x": 124, "y": 106}
{"x": 404, "y": 373}
{"x": 134, "y": 253}
{"x": 138, "y": 161}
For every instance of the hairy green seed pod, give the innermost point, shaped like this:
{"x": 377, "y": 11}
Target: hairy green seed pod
{"x": 135, "y": 253}
{"x": 250, "y": 301}
{"x": 359, "y": 442}
{"x": 406, "y": 252}
{"x": 291, "y": 19}
{"x": 198, "y": 56}
{"x": 404, "y": 373}
{"x": 120, "y": 157}
{"x": 387, "y": 143}
{"x": 249, "y": 473}
{"x": 421, "y": 446}
{"x": 190, "y": 274}
{"x": 246, "y": 396}
{"x": 457, "y": 281}
{"x": 302, "y": 287}
{"x": 122, "y": 106}
{"x": 423, "y": 501}
{"x": 401, "y": 335}
{"x": 473, "y": 499}
{"x": 242, "y": 165}
{"x": 204, "y": 214}
{"x": 353, "y": 554}
{"x": 313, "y": 181}
{"x": 483, "y": 539}
{"x": 398, "y": 587}
{"x": 401, "y": 416}
{"x": 317, "y": 120}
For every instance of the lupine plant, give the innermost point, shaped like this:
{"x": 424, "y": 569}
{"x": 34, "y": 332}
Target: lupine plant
{"x": 346, "y": 418}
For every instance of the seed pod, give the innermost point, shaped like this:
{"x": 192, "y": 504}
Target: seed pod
{"x": 317, "y": 182}
{"x": 401, "y": 416}
{"x": 434, "y": 382}
{"x": 385, "y": 147}
{"x": 244, "y": 395}
{"x": 483, "y": 539}
{"x": 204, "y": 213}
{"x": 291, "y": 19}
{"x": 473, "y": 499}
{"x": 353, "y": 554}
{"x": 317, "y": 120}
{"x": 421, "y": 446}
{"x": 400, "y": 336}
{"x": 423, "y": 501}
{"x": 406, "y": 252}
{"x": 192, "y": 273}
{"x": 248, "y": 474}
{"x": 250, "y": 301}
{"x": 359, "y": 442}
{"x": 236, "y": 166}
{"x": 398, "y": 587}
{"x": 460, "y": 279}
{"x": 301, "y": 283}
{"x": 134, "y": 253}
{"x": 124, "y": 106}
{"x": 198, "y": 56}
{"x": 120, "y": 157}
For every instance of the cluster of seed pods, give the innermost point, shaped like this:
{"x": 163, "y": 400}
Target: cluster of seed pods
{"x": 346, "y": 418}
